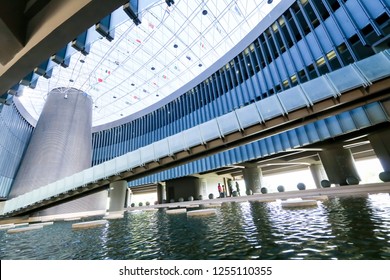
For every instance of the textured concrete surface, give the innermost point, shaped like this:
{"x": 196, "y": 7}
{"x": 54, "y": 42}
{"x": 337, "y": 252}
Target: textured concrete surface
{"x": 91, "y": 224}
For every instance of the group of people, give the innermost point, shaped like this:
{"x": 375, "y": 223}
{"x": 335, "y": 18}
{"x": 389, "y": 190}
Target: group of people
{"x": 222, "y": 190}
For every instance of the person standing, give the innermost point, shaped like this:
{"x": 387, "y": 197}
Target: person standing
{"x": 219, "y": 189}
{"x": 230, "y": 189}
{"x": 238, "y": 189}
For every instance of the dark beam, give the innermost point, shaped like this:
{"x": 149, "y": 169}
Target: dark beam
{"x": 12, "y": 29}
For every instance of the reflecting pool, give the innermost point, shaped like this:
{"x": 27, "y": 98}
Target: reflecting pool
{"x": 339, "y": 228}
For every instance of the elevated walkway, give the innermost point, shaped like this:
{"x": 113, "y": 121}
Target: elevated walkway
{"x": 355, "y": 86}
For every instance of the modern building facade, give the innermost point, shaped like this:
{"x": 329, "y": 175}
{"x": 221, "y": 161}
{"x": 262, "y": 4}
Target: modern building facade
{"x": 296, "y": 43}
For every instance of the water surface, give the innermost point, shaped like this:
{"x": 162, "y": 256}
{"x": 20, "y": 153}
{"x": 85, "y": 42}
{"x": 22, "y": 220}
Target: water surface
{"x": 340, "y": 228}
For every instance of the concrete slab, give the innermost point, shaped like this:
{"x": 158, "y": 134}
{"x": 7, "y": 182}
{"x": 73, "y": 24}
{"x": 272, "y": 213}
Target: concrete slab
{"x": 299, "y": 203}
{"x": 24, "y": 229}
{"x": 7, "y": 226}
{"x": 202, "y": 212}
{"x": 318, "y": 197}
{"x": 90, "y": 224}
{"x": 113, "y": 216}
{"x": 192, "y": 206}
{"x": 150, "y": 210}
{"x": 266, "y": 200}
{"x": 72, "y": 219}
{"x": 213, "y": 205}
{"x": 43, "y": 223}
{"x": 21, "y": 224}
{"x": 176, "y": 211}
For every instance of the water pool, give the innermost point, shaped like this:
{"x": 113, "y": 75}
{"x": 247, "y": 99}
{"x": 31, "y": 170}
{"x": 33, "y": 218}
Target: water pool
{"x": 339, "y": 228}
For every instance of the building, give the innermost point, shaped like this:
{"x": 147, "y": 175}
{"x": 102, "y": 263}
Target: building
{"x": 308, "y": 84}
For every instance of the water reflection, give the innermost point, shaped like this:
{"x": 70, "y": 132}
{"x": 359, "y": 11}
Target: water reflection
{"x": 341, "y": 228}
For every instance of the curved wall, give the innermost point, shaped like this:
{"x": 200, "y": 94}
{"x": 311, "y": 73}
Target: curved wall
{"x": 306, "y": 41}
{"x": 15, "y": 134}
{"x": 61, "y": 143}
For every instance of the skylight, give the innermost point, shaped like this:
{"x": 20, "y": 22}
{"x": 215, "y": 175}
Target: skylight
{"x": 146, "y": 63}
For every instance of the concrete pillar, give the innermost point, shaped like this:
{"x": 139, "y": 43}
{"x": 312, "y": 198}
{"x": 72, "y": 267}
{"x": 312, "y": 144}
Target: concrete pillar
{"x": 129, "y": 196}
{"x": 253, "y": 178}
{"x": 380, "y": 142}
{"x": 117, "y": 195}
{"x": 161, "y": 193}
{"x": 318, "y": 172}
{"x": 339, "y": 165}
{"x": 203, "y": 188}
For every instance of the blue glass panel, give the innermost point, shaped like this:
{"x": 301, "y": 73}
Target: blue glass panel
{"x": 302, "y": 136}
{"x": 346, "y": 78}
{"x": 346, "y": 122}
{"x": 318, "y": 89}
{"x": 248, "y": 116}
{"x": 375, "y": 113}
{"x": 333, "y": 31}
{"x": 161, "y": 148}
{"x": 344, "y": 23}
{"x": 357, "y": 13}
{"x": 277, "y": 143}
{"x": 293, "y": 99}
{"x": 177, "y": 143}
{"x": 375, "y": 67}
{"x": 311, "y": 132}
{"x": 323, "y": 39}
{"x": 360, "y": 117}
{"x": 322, "y": 129}
{"x": 269, "y": 107}
{"x": 293, "y": 137}
{"x": 333, "y": 126}
{"x": 228, "y": 123}
{"x": 193, "y": 137}
{"x": 285, "y": 141}
{"x": 210, "y": 130}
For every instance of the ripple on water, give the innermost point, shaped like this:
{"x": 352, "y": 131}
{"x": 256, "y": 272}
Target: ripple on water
{"x": 340, "y": 228}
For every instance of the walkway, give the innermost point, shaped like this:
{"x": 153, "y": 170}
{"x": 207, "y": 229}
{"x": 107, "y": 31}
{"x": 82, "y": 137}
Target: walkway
{"x": 353, "y": 190}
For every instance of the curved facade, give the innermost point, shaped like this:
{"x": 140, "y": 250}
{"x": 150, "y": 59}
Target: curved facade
{"x": 308, "y": 39}
{"x": 61, "y": 143}
{"x": 15, "y": 134}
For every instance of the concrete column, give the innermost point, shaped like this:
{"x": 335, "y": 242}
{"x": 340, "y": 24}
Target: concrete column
{"x": 117, "y": 196}
{"x": 380, "y": 142}
{"x": 318, "y": 172}
{"x": 339, "y": 165}
{"x": 129, "y": 196}
{"x": 61, "y": 145}
{"x": 203, "y": 188}
{"x": 253, "y": 178}
{"x": 161, "y": 193}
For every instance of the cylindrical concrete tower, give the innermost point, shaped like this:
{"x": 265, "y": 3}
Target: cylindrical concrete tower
{"x": 60, "y": 146}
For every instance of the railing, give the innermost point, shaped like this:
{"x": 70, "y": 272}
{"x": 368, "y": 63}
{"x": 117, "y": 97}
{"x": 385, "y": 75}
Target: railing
{"x": 332, "y": 85}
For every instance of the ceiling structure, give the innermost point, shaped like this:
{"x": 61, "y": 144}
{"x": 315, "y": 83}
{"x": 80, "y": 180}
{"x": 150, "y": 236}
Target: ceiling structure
{"x": 145, "y": 63}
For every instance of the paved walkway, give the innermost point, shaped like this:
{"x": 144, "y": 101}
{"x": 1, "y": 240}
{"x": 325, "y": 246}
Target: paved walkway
{"x": 330, "y": 192}
{"x": 356, "y": 190}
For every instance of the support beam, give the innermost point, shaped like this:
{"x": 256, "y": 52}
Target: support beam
{"x": 12, "y": 29}
{"x": 253, "y": 178}
{"x": 161, "y": 193}
{"x": 339, "y": 165}
{"x": 318, "y": 172}
{"x": 380, "y": 141}
{"x": 117, "y": 195}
